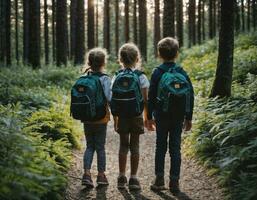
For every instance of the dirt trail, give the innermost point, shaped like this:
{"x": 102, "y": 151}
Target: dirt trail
{"x": 195, "y": 184}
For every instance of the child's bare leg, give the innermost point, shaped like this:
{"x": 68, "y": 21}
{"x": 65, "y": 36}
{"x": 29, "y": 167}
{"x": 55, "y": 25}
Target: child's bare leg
{"x": 124, "y": 147}
{"x": 134, "y": 149}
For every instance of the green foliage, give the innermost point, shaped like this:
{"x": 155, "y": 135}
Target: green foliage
{"x": 224, "y": 136}
{"x": 54, "y": 124}
{"x": 27, "y": 169}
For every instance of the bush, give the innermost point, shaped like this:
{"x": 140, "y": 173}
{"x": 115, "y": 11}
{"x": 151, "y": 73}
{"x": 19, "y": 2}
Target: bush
{"x": 27, "y": 169}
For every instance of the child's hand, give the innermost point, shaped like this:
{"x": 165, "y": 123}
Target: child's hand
{"x": 151, "y": 125}
{"x": 187, "y": 125}
{"x": 115, "y": 119}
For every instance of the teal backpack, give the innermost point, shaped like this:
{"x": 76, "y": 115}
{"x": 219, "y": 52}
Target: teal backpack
{"x": 127, "y": 100}
{"x": 173, "y": 94}
{"x": 88, "y": 102}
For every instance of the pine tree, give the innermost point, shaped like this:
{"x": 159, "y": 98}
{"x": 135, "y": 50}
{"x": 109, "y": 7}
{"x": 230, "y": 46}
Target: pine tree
{"x": 53, "y": 29}
{"x": 211, "y": 31}
{"x": 135, "y": 21}
{"x": 34, "y": 33}
{"x": 180, "y": 21}
{"x": 80, "y": 33}
{"x": 254, "y": 14}
{"x": 8, "y": 32}
{"x": 143, "y": 28}
{"x": 203, "y": 19}
{"x": 237, "y": 17}
{"x": 126, "y": 11}
{"x": 248, "y": 15}
{"x": 243, "y": 15}
{"x": 157, "y": 28}
{"x": 96, "y": 23}
{"x": 46, "y": 32}
{"x": 169, "y": 18}
{"x": 117, "y": 26}
{"x": 107, "y": 25}
{"x": 61, "y": 32}
{"x": 199, "y": 22}
{"x": 192, "y": 22}
{"x": 17, "y": 31}
{"x": 90, "y": 24}
{"x": 223, "y": 78}
{"x": 73, "y": 19}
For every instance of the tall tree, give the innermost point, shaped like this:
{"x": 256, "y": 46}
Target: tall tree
{"x": 157, "y": 28}
{"x": 169, "y": 18}
{"x": 180, "y": 21}
{"x": 254, "y": 13}
{"x": 8, "y": 32}
{"x": 223, "y": 78}
{"x": 248, "y": 15}
{"x": 53, "y": 29}
{"x": 211, "y": 31}
{"x": 143, "y": 28}
{"x": 3, "y": 31}
{"x": 90, "y": 24}
{"x": 214, "y": 18}
{"x": 203, "y": 19}
{"x": 17, "y": 31}
{"x": 46, "y": 32}
{"x": 73, "y": 19}
{"x": 96, "y": 23}
{"x": 61, "y": 32}
{"x": 135, "y": 21}
{"x": 34, "y": 33}
{"x": 80, "y": 33}
{"x": 126, "y": 11}
{"x": 243, "y": 15}
{"x": 237, "y": 17}
{"x": 107, "y": 25}
{"x": 117, "y": 26}
{"x": 25, "y": 31}
{"x": 192, "y": 22}
{"x": 199, "y": 22}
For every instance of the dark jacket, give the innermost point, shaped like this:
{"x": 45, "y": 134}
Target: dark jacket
{"x": 155, "y": 78}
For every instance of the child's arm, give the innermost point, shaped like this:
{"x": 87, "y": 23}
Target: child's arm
{"x": 145, "y": 97}
{"x": 115, "y": 119}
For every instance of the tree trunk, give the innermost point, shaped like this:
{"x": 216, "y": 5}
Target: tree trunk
{"x": 135, "y": 21}
{"x": 61, "y": 32}
{"x": 143, "y": 28}
{"x": 157, "y": 28}
{"x": 3, "y": 31}
{"x": 53, "y": 29}
{"x": 8, "y": 32}
{"x": 17, "y": 31}
{"x": 211, "y": 34}
{"x": 169, "y": 18}
{"x": 180, "y": 21}
{"x": 90, "y": 24}
{"x": 199, "y": 22}
{"x": 25, "y": 31}
{"x": 203, "y": 19}
{"x": 192, "y": 22}
{"x": 214, "y": 18}
{"x": 117, "y": 26}
{"x": 126, "y": 11}
{"x": 80, "y": 33}
{"x": 254, "y": 14}
{"x": 223, "y": 78}
{"x": 73, "y": 19}
{"x": 34, "y": 33}
{"x": 46, "y": 33}
{"x": 96, "y": 24}
{"x": 107, "y": 25}
{"x": 243, "y": 15}
{"x": 237, "y": 17}
{"x": 248, "y": 15}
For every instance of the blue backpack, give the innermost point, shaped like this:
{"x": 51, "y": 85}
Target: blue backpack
{"x": 88, "y": 102}
{"x": 127, "y": 100}
{"x": 173, "y": 94}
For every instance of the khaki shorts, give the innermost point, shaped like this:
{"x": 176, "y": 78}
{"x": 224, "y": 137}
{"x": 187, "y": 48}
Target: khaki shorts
{"x": 131, "y": 125}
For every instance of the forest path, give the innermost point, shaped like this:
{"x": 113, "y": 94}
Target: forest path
{"x": 194, "y": 183}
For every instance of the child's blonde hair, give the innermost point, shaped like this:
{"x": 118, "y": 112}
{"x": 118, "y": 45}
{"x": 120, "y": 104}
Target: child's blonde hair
{"x": 129, "y": 55}
{"x": 168, "y": 48}
{"x": 95, "y": 59}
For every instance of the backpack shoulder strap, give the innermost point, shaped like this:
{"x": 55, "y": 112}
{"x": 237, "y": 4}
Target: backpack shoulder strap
{"x": 138, "y": 72}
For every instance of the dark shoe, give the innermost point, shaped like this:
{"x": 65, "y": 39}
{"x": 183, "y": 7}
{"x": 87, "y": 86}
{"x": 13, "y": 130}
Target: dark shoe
{"x": 87, "y": 181}
{"x": 174, "y": 187}
{"x": 122, "y": 181}
{"x": 134, "y": 184}
{"x": 158, "y": 184}
{"x": 102, "y": 180}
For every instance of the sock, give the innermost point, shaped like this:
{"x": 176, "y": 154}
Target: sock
{"x": 133, "y": 176}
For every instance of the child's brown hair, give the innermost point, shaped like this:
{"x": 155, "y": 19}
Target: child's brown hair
{"x": 95, "y": 59}
{"x": 129, "y": 55}
{"x": 168, "y": 48}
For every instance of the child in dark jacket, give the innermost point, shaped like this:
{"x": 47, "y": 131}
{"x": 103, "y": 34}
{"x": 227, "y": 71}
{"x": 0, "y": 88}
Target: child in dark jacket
{"x": 168, "y": 125}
